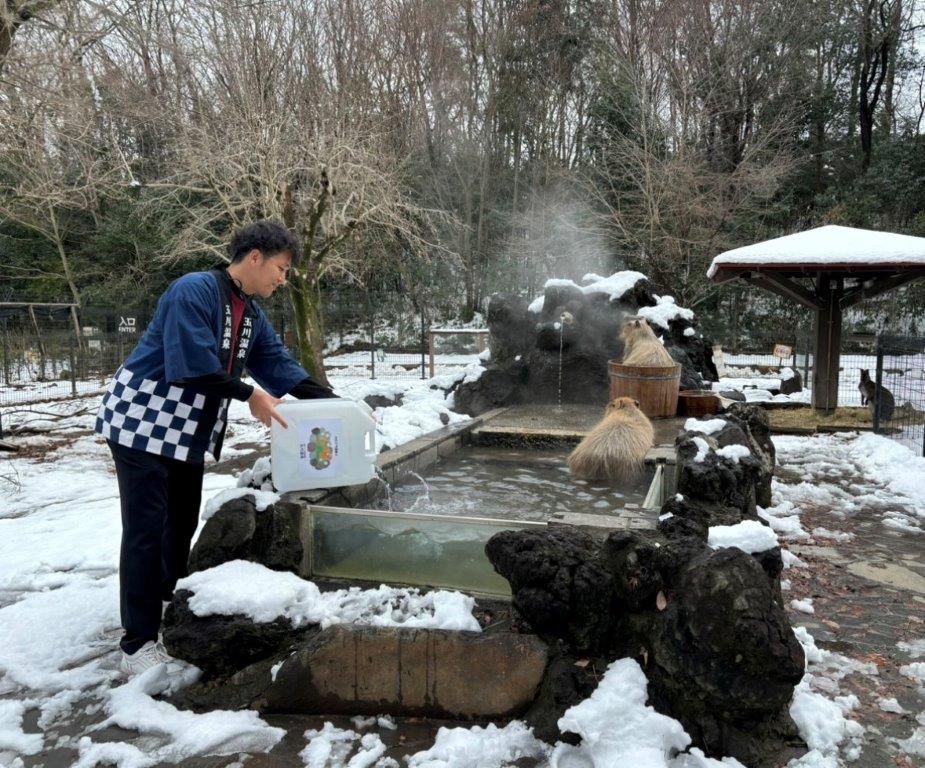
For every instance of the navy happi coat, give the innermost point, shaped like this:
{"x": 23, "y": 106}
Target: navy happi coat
{"x": 190, "y": 336}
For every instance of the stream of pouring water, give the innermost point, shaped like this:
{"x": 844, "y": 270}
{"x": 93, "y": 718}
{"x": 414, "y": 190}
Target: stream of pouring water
{"x": 559, "y": 392}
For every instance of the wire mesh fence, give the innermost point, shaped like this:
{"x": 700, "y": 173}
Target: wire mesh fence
{"x": 369, "y": 334}
{"x": 897, "y": 394}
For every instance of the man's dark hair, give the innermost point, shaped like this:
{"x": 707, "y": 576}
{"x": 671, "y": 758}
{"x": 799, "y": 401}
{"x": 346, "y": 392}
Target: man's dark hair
{"x": 267, "y": 236}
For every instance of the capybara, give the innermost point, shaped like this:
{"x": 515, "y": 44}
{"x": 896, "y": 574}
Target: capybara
{"x": 615, "y": 449}
{"x": 640, "y": 345}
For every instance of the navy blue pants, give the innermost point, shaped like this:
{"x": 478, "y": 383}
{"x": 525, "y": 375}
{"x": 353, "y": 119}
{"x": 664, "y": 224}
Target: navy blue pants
{"x": 160, "y": 509}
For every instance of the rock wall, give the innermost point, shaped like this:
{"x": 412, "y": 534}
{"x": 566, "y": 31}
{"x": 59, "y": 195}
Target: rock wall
{"x": 525, "y": 342}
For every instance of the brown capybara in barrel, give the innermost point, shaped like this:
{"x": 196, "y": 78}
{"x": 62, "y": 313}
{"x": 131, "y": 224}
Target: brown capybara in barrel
{"x": 615, "y": 449}
{"x": 640, "y": 345}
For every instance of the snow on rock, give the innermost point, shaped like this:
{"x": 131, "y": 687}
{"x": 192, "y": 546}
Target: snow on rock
{"x": 705, "y": 426}
{"x": 703, "y": 448}
{"x": 479, "y": 747}
{"x": 12, "y": 737}
{"x": 791, "y": 560}
{"x": 664, "y": 312}
{"x": 251, "y": 589}
{"x": 690, "y": 332}
{"x": 262, "y": 499}
{"x": 258, "y": 475}
{"x": 614, "y": 286}
{"x": 749, "y": 536}
{"x": 218, "y": 732}
{"x": 733, "y": 452}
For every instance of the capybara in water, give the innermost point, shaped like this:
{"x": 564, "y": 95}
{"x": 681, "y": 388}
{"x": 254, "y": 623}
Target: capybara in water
{"x": 615, "y": 449}
{"x": 640, "y": 345}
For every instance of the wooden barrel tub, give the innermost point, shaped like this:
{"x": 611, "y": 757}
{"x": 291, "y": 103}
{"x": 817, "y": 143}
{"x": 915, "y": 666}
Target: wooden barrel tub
{"x": 654, "y": 386}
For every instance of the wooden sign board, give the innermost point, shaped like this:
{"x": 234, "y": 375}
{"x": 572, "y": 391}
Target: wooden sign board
{"x": 782, "y": 351}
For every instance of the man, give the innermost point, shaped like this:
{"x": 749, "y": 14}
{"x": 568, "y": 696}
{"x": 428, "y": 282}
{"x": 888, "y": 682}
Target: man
{"x": 168, "y": 405}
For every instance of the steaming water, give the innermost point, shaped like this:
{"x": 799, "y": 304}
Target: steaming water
{"x": 509, "y": 484}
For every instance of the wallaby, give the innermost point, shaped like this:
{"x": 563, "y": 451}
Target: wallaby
{"x": 869, "y": 396}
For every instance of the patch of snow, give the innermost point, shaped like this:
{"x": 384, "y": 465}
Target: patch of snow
{"x": 217, "y": 732}
{"x": 536, "y": 306}
{"x": 786, "y": 374}
{"x": 251, "y": 589}
{"x": 825, "y": 533}
{"x": 914, "y": 745}
{"x": 477, "y": 746}
{"x": 749, "y": 536}
{"x": 915, "y": 648}
{"x": 690, "y": 332}
{"x": 791, "y": 560}
{"x": 12, "y": 737}
{"x": 915, "y": 672}
{"x": 116, "y": 753}
{"x": 258, "y": 475}
{"x": 706, "y": 426}
{"x": 891, "y": 705}
{"x": 614, "y": 286}
{"x": 803, "y": 606}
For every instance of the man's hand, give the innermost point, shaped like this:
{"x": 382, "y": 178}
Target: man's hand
{"x": 263, "y": 408}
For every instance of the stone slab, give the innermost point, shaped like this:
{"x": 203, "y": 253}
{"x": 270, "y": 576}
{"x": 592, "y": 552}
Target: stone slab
{"x": 418, "y": 672}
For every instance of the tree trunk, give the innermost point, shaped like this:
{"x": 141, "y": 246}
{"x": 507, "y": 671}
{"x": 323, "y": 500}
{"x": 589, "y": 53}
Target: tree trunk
{"x": 305, "y": 297}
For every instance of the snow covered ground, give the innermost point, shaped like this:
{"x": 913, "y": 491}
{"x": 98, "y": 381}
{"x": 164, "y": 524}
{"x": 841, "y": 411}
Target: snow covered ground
{"x": 59, "y": 623}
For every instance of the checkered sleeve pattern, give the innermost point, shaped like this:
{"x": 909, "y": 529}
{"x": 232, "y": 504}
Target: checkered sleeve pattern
{"x": 152, "y": 416}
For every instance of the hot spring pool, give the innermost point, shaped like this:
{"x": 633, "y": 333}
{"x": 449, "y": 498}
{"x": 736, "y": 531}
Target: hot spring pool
{"x": 508, "y": 484}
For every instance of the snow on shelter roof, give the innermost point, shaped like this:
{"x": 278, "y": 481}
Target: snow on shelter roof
{"x": 828, "y": 247}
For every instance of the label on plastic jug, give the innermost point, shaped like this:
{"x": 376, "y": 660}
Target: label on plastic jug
{"x": 320, "y": 446}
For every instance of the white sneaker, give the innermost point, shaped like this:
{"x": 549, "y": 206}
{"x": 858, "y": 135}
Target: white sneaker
{"x": 150, "y": 655}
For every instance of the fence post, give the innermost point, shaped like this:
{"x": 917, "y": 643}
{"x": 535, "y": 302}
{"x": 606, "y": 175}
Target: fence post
{"x": 878, "y": 384}
{"x": 423, "y": 345}
{"x": 6, "y": 355}
{"x": 372, "y": 338}
{"x": 73, "y": 366}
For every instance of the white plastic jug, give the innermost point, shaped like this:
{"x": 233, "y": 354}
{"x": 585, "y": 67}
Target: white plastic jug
{"x": 329, "y": 443}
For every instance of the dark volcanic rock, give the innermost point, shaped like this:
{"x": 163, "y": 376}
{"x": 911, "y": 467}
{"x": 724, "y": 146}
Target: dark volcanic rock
{"x": 494, "y": 388}
{"x": 382, "y": 401}
{"x": 237, "y": 531}
{"x": 633, "y": 563}
{"x": 511, "y": 326}
{"x": 559, "y": 586}
{"x": 753, "y": 420}
{"x": 723, "y": 657}
{"x": 718, "y": 483}
{"x": 525, "y": 348}
{"x": 564, "y": 685}
{"x": 221, "y": 645}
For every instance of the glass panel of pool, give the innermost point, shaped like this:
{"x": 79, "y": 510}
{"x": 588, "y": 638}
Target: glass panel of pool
{"x": 510, "y": 484}
{"x": 406, "y": 548}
